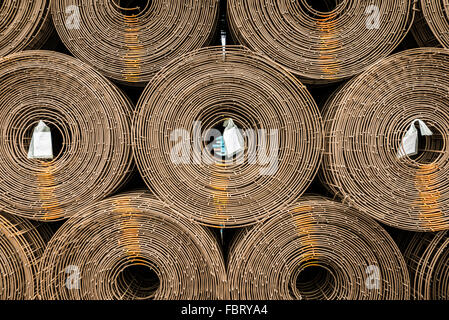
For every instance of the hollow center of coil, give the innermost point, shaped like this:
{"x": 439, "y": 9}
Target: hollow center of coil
{"x": 132, "y": 7}
{"x": 226, "y": 139}
{"x": 315, "y": 282}
{"x": 138, "y": 281}
{"x": 430, "y": 148}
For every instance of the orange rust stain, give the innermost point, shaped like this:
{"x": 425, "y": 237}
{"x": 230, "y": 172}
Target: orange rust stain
{"x": 326, "y": 25}
{"x": 430, "y": 214}
{"x": 305, "y": 224}
{"x": 220, "y": 196}
{"x": 46, "y": 184}
{"x": 129, "y": 225}
{"x": 135, "y": 50}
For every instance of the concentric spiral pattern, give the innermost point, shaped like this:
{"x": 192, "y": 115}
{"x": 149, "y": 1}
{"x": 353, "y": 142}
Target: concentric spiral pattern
{"x": 321, "y": 44}
{"x": 421, "y": 31}
{"x": 203, "y": 89}
{"x": 317, "y": 249}
{"x": 23, "y": 24}
{"x": 132, "y": 247}
{"x": 22, "y": 244}
{"x": 132, "y": 44}
{"x": 365, "y": 123}
{"x": 436, "y": 13}
{"x": 427, "y": 256}
{"x": 90, "y": 120}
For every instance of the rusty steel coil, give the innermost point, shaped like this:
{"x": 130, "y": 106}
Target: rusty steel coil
{"x": 90, "y": 120}
{"x": 317, "y": 249}
{"x": 22, "y": 244}
{"x": 421, "y": 31}
{"x": 132, "y": 246}
{"x": 436, "y": 13}
{"x": 321, "y": 41}
{"x": 208, "y": 86}
{"x": 426, "y": 256}
{"x": 131, "y": 42}
{"x": 24, "y": 24}
{"x": 365, "y": 124}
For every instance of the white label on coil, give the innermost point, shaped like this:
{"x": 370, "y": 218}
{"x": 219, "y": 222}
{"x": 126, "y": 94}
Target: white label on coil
{"x": 41, "y": 146}
{"x": 233, "y": 139}
{"x": 409, "y": 145}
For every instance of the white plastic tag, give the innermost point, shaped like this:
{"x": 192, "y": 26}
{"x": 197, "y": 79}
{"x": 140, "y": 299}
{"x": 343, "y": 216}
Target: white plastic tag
{"x": 223, "y": 42}
{"x": 233, "y": 139}
{"x": 409, "y": 145}
{"x": 41, "y": 145}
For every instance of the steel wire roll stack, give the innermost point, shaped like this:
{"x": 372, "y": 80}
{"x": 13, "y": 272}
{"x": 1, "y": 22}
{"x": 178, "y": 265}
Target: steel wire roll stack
{"x": 22, "y": 244}
{"x": 132, "y": 246}
{"x": 436, "y": 13}
{"x": 421, "y": 31}
{"x": 366, "y": 123}
{"x": 130, "y": 42}
{"x": 426, "y": 256}
{"x": 23, "y": 25}
{"x": 321, "y": 41}
{"x": 317, "y": 249}
{"x": 90, "y": 122}
{"x": 198, "y": 92}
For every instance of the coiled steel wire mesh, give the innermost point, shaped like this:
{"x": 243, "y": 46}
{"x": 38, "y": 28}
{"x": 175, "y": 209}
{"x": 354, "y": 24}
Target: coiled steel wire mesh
{"x": 22, "y": 244}
{"x": 365, "y": 123}
{"x": 427, "y": 257}
{"x": 421, "y": 31}
{"x": 24, "y": 25}
{"x": 208, "y": 86}
{"x": 317, "y": 249}
{"x": 90, "y": 121}
{"x": 132, "y": 246}
{"x": 436, "y": 13}
{"x": 132, "y": 44}
{"x": 321, "y": 44}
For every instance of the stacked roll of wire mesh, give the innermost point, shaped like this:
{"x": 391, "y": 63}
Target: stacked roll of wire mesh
{"x": 90, "y": 123}
{"x": 22, "y": 243}
{"x": 132, "y": 247}
{"x": 280, "y": 125}
{"x": 24, "y": 25}
{"x": 131, "y": 43}
{"x": 321, "y": 41}
{"x": 224, "y": 137}
{"x": 436, "y": 13}
{"x": 317, "y": 249}
{"x": 421, "y": 31}
{"x": 386, "y": 141}
{"x": 427, "y": 259}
